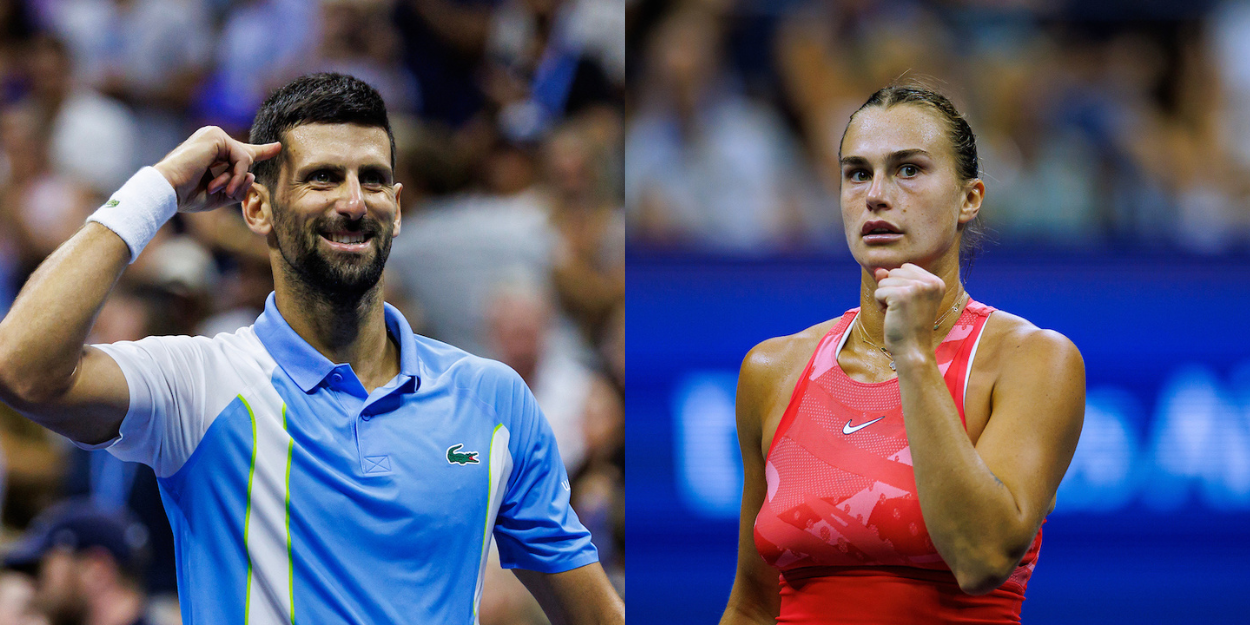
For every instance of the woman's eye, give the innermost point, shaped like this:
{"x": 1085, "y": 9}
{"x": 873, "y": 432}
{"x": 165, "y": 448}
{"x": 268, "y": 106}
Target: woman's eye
{"x": 908, "y": 170}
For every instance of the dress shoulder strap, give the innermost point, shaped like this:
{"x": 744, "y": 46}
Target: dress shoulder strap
{"x": 956, "y": 353}
{"x": 824, "y": 357}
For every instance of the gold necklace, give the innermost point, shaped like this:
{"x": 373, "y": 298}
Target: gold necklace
{"x": 954, "y": 308}
{"x": 863, "y": 334}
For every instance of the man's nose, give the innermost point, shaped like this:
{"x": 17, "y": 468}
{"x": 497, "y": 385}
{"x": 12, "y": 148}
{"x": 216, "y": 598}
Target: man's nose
{"x": 352, "y": 204}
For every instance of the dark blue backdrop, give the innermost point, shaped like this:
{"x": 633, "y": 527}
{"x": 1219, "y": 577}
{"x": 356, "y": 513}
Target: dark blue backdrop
{"x": 1153, "y": 522}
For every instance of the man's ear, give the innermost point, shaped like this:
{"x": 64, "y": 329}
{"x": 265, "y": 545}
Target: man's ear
{"x": 399, "y": 211}
{"x": 257, "y": 210}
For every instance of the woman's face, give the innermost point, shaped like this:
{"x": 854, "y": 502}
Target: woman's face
{"x": 902, "y": 201}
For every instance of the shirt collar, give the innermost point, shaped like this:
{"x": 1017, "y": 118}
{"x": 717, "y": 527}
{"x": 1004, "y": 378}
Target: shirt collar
{"x": 306, "y": 366}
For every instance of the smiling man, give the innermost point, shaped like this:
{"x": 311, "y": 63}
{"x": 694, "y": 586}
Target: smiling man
{"x": 326, "y": 464}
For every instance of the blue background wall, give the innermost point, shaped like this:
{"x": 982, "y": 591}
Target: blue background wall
{"x": 1153, "y": 520}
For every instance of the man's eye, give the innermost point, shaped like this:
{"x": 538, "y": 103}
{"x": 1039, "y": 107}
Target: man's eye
{"x": 858, "y": 175}
{"x": 321, "y": 176}
{"x": 908, "y": 170}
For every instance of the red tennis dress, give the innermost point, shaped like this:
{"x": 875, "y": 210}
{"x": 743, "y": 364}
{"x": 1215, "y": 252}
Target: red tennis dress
{"x": 842, "y": 520}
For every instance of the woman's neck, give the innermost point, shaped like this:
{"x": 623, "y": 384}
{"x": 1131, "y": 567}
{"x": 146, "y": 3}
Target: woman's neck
{"x": 872, "y": 313}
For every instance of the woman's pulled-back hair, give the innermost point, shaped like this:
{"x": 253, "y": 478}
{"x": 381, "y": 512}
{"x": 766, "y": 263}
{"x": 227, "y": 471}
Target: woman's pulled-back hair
{"x": 963, "y": 143}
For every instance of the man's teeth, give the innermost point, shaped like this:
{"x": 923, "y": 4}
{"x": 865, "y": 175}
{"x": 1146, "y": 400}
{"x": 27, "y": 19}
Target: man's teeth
{"x": 347, "y": 238}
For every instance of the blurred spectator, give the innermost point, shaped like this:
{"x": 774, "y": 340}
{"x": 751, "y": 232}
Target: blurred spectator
{"x": 15, "y": 30}
{"x": 240, "y": 297}
{"x": 92, "y": 137}
{"x": 34, "y": 465}
{"x": 1092, "y": 131}
{"x": 551, "y": 58}
{"x": 443, "y": 44}
{"x": 87, "y": 563}
{"x": 590, "y": 259}
{"x": 44, "y": 207}
{"x": 612, "y": 347}
{"x": 450, "y": 254}
{"x": 151, "y": 54}
{"x": 261, "y": 42}
{"x": 357, "y": 37}
{"x": 599, "y": 501}
{"x": 831, "y": 56}
{"x": 707, "y": 167}
{"x": 520, "y": 319}
{"x": 17, "y": 600}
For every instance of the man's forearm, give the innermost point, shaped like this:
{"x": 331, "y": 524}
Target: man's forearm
{"x": 42, "y": 337}
{"x": 582, "y": 596}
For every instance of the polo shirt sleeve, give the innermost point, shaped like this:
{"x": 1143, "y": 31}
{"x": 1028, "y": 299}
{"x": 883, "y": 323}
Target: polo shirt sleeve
{"x": 536, "y": 529}
{"x": 168, "y": 379}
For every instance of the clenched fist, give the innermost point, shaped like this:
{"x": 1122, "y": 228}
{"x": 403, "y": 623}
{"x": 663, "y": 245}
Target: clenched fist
{"x": 911, "y": 297}
{"x": 210, "y": 169}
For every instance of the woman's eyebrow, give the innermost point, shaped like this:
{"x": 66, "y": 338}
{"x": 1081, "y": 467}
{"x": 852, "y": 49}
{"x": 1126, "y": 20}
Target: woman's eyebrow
{"x": 893, "y": 157}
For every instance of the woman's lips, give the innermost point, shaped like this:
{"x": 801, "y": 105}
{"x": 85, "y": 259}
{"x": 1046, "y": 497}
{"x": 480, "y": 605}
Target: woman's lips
{"x": 879, "y": 239}
{"x": 880, "y": 232}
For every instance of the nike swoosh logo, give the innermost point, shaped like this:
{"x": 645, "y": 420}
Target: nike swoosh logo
{"x": 847, "y": 429}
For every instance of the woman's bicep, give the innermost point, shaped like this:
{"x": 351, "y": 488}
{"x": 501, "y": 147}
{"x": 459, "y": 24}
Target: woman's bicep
{"x": 1038, "y": 407}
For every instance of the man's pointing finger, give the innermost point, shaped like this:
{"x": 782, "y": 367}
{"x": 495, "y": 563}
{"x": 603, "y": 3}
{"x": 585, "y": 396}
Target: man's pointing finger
{"x": 264, "y": 151}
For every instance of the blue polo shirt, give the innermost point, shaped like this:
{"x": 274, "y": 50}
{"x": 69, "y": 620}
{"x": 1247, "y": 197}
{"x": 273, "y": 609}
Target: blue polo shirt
{"x": 296, "y": 496}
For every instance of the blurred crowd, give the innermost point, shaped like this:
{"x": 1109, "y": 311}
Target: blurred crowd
{"x": 1099, "y": 124}
{"x": 508, "y": 119}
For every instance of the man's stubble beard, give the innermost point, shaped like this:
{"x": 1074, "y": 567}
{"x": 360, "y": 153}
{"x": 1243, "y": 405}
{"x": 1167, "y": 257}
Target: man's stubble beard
{"x": 333, "y": 281}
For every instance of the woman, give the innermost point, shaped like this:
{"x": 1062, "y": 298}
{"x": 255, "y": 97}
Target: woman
{"x": 920, "y": 403}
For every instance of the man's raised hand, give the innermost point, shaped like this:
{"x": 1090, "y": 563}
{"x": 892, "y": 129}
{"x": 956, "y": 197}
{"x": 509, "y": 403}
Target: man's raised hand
{"x": 210, "y": 169}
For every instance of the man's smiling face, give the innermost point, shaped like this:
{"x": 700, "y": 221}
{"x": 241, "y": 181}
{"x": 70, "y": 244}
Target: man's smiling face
{"x": 335, "y": 207}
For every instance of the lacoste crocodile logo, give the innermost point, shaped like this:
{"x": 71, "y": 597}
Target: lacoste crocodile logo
{"x": 455, "y": 457}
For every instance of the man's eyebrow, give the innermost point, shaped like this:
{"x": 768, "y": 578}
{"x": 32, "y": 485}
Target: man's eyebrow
{"x": 339, "y": 168}
{"x": 378, "y": 168}
{"x": 320, "y": 166}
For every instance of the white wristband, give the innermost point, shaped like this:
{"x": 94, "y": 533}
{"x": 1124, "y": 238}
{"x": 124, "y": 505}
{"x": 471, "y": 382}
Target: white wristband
{"x": 138, "y": 209}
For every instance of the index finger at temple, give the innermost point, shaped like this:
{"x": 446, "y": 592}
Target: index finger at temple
{"x": 262, "y": 151}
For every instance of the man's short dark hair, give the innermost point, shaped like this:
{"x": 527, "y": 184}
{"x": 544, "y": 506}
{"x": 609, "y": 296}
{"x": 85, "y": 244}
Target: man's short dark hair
{"x": 316, "y": 99}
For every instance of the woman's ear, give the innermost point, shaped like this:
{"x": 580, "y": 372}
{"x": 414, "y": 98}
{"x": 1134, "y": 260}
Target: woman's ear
{"x": 970, "y": 205}
{"x": 257, "y": 210}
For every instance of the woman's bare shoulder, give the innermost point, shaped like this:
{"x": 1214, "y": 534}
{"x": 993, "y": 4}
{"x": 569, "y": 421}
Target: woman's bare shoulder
{"x": 1016, "y": 340}
{"x": 779, "y": 354}
{"x": 771, "y": 369}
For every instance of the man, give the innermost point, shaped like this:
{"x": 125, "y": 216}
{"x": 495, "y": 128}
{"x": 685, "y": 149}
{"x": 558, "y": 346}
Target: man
{"x": 325, "y": 465}
{"x": 87, "y": 564}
